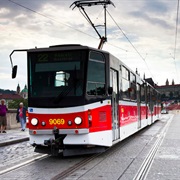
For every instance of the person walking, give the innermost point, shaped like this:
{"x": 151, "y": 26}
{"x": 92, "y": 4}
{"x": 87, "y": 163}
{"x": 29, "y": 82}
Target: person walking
{"x": 21, "y": 116}
{"x": 3, "y": 119}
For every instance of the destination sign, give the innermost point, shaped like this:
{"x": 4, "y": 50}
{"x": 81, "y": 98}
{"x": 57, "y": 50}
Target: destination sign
{"x": 57, "y": 56}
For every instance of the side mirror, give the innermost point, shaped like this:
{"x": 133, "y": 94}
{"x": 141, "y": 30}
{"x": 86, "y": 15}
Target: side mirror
{"x": 14, "y": 71}
{"x": 110, "y": 90}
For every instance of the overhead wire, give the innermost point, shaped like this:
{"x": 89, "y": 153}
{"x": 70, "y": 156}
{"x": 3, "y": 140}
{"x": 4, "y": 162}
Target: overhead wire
{"x": 93, "y": 24}
{"x": 176, "y": 31}
{"x": 52, "y": 19}
{"x": 45, "y": 16}
{"x": 131, "y": 43}
{"x": 175, "y": 42}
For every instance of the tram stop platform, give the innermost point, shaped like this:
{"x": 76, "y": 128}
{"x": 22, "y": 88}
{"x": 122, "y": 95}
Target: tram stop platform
{"x": 13, "y": 136}
{"x": 166, "y": 163}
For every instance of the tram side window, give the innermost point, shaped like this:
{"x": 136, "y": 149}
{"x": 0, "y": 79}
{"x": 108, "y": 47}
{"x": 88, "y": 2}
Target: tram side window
{"x": 159, "y": 99}
{"x": 154, "y": 97}
{"x": 150, "y": 98}
{"x": 148, "y": 94}
{"x": 143, "y": 93}
{"x": 96, "y": 74}
{"x": 125, "y": 83}
{"x": 132, "y": 86}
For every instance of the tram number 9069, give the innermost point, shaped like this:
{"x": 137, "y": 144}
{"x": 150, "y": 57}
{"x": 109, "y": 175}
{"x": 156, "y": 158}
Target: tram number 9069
{"x": 56, "y": 121}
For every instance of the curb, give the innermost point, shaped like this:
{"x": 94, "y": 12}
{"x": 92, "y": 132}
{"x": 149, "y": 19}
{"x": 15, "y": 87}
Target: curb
{"x": 13, "y": 141}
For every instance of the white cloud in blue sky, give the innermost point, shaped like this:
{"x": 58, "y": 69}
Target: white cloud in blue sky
{"x": 149, "y": 25}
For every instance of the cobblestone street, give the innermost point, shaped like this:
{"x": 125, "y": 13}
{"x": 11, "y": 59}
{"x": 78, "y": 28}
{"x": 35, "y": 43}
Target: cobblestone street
{"x": 14, "y": 154}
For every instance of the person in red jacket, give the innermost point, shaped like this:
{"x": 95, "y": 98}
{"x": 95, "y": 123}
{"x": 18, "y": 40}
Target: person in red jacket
{"x": 21, "y": 116}
{"x": 3, "y": 119}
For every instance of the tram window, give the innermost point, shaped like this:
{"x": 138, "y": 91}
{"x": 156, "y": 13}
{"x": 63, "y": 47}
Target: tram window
{"x": 125, "y": 83}
{"x": 154, "y": 96}
{"x": 132, "y": 78}
{"x": 132, "y": 86}
{"x": 142, "y": 93}
{"x": 91, "y": 89}
{"x": 95, "y": 89}
{"x": 125, "y": 89}
{"x": 96, "y": 74}
{"x": 148, "y": 95}
{"x": 96, "y": 56}
{"x": 61, "y": 78}
{"x": 125, "y": 73}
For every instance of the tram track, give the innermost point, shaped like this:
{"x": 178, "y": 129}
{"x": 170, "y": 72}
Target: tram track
{"x": 15, "y": 141}
{"x": 143, "y": 170}
{"x": 109, "y": 151}
{"x": 75, "y": 167}
{"x": 27, "y": 162}
{"x": 147, "y": 163}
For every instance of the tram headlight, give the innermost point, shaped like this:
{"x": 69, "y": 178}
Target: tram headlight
{"x": 78, "y": 120}
{"x": 34, "y": 121}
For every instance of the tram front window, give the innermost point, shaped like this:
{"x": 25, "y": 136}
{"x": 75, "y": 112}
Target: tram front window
{"x": 58, "y": 77}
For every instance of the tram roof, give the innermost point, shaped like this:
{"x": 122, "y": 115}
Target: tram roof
{"x": 65, "y": 47}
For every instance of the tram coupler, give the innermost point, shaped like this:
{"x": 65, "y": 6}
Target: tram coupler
{"x": 56, "y": 132}
{"x": 56, "y": 143}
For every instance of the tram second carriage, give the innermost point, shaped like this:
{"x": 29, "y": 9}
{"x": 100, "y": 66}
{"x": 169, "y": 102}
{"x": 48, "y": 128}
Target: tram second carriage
{"x": 83, "y": 100}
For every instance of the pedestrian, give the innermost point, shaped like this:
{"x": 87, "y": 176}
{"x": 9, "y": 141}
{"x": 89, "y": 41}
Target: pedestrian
{"x": 3, "y": 119}
{"x": 21, "y": 116}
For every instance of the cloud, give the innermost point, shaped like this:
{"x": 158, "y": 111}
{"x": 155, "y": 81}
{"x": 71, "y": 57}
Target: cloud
{"x": 152, "y": 20}
{"x": 149, "y": 25}
{"x": 156, "y": 7}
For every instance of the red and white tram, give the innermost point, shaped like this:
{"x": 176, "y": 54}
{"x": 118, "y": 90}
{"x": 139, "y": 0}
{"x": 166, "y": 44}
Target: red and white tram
{"x": 82, "y": 100}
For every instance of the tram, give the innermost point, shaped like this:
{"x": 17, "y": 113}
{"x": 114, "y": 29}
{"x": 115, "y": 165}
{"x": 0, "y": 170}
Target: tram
{"x": 83, "y": 100}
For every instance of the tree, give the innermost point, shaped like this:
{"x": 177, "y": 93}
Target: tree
{"x": 15, "y": 103}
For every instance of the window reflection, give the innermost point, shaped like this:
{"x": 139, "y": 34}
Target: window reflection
{"x": 96, "y": 74}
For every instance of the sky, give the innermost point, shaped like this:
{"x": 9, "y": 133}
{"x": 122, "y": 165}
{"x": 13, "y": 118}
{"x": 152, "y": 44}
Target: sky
{"x": 144, "y": 34}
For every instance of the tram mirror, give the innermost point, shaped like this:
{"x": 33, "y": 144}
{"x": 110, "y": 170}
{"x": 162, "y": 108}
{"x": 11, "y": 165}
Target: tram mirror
{"x": 14, "y": 71}
{"x": 110, "y": 90}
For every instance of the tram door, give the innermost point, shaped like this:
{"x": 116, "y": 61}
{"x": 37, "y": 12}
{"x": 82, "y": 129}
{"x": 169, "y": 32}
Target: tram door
{"x": 114, "y": 105}
{"x": 139, "y": 105}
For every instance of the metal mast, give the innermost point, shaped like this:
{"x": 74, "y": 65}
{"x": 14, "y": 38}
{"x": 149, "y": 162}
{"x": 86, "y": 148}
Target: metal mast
{"x": 104, "y": 3}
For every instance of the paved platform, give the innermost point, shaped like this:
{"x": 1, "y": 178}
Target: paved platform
{"x": 166, "y": 163}
{"x": 13, "y": 136}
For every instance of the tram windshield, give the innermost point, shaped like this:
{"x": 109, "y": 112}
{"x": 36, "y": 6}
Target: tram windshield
{"x": 56, "y": 74}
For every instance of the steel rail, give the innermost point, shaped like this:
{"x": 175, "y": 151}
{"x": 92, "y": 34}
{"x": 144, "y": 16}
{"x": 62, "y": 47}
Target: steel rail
{"x": 23, "y": 164}
{"x": 109, "y": 151}
{"x": 14, "y": 141}
{"x": 147, "y": 163}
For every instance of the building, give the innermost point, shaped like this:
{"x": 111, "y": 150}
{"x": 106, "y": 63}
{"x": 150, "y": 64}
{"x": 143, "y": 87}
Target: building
{"x": 15, "y": 95}
{"x": 10, "y": 97}
{"x": 23, "y": 93}
{"x": 169, "y": 91}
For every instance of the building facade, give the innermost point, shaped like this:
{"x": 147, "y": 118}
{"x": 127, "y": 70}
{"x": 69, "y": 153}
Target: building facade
{"x": 169, "y": 91}
{"x": 15, "y": 95}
